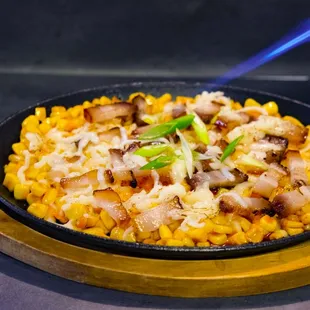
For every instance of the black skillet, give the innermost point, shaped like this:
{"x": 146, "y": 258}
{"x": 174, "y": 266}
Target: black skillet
{"x": 9, "y": 133}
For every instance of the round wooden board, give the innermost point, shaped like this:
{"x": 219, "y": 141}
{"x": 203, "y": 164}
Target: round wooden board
{"x": 280, "y": 270}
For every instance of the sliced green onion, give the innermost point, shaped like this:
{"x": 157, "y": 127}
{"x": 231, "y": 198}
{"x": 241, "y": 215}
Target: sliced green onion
{"x": 159, "y": 162}
{"x": 151, "y": 150}
{"x": 230, "y": 148}
{"x": 249, "y": 161}
{"x": 187, "y": 152}
{"x": 214, "y": 119}
{"x": 200, "y": 129}
{"x": 167, "y": 128}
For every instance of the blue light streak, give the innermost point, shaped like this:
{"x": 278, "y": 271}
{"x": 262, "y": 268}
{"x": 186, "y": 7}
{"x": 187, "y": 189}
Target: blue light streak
{"x": 298, "y": 36}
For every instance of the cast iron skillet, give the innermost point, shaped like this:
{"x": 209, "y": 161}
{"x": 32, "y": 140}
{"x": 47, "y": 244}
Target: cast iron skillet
{"x": 9, "y": 133}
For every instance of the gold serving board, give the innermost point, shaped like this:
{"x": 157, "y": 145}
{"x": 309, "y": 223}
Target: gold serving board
{"x": 265, "y": 273}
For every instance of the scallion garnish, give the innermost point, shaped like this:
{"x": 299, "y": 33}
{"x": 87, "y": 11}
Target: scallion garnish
{"x": 159, "y": 162}
{"x": 230, "y": 148}
{"x": 200, "y": 129}
{"x": 187, "y": 152}
{"x": 151, "y": 150}
{"x": 170, "y": 127}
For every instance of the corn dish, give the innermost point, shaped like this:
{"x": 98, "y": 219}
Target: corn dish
{"x": 202, "y": 171}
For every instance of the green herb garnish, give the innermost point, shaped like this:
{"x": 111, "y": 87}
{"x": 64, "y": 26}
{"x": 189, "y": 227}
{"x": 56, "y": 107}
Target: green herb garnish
{"x": 187, "y": 152}
{"x": 159, "y": 162}
{"x": 151, "y": 150}
{"x": 170, "y": 127}
{"x": 201, "y": 130}
{"x": 230, "y": 148}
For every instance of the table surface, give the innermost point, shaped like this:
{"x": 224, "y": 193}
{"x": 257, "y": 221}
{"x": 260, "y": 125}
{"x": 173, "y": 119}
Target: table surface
{"x": 24, "y": 287}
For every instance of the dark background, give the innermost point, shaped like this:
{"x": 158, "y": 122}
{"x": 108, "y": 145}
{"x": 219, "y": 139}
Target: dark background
{"x": 53, "y": 47}
{"x": 147, "y": 38}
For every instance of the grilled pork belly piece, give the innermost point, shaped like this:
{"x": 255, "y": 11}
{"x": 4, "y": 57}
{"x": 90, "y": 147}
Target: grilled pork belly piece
{"x": 218, "y": 178}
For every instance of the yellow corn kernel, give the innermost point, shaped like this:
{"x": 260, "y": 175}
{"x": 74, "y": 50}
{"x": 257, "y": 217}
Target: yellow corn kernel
{"x": 10, "y": 181}
{"x": 155, "y": 235}
{"x": 293, "y": 217}
{"x": 306, "y": 218}
{"x": 80, "y": 223}
{"x": 149, "y": 241}
{"x": 251, "y": 103}
{"x": 41, "y": 176}
{"x": 293, "y": 120}
{"x": 58, "y": 109}
{"x": 38, "y": 209}
{"x": 165, "y": 232}
{"x": 54, "y": 120}
{"x": 143, "y": 235}
{"x": 87, "y": 104}
{"x": 40, "y": 113}
{"x": 255, "y": 234}
{"x": 75, "y": 211}
{"x": 271, "y": 107}
{"x": 50, "y": 215}
{"x": 130, "y": 237}
{"x": 188, "y": 241}
{"x": 62, "y": 124}
{"x": 307, "y": 227}
{"x": 165, "y": 98}
{"x": 209, "y": 225}
{"x": 32, "y": 172}
{"x": 197, "y": 234}
{"x": 97, "y": 231}
{"x": 291, "y": 224}
{"x": 294, "y": 231}
{"x": 45, "y": 128}
{"x": 92, "y": 220}
{"x": 278, "y": 234}
{"x": 306, "y": 208}
{"x": 133, "y": 95}
{"x": 245, "y": 224}
{"x": 15, "y": 158}
{"x": 76, "y": 111}
{"x": 183, "y": 99}
{"x": 96, "y": 101}
{"x": 21, "y": 191}
{"x": 75, "y": 123}
{"x": 98, "y": 224}
{"x": 32, "y": 127}
{"x": 32, "y": 199}
{"x": 50, "y": 196}
{"x": 223, "y": 229}
{"x": 203, "y": 244}
{"x": 220, "y": 219}
{"x": 217, "y": 239}
{"x": 268, "y": 223}
{"x": 174, "y": 226}
{"x": 105, "y": 100}
{"x": 107, "y": 220}
{"x": 117, "y": 233}
{"x": 236, "y": 105}
{"x": 38, "y": 189}
{"x": 238, "y": 238}
{"x": 11, "y": 168}
{"x": 31, "y": 119}
{"x": 161, "y": 242}
{"x": 19, "y": 148}
{"x": 179, "y": 234}
{"x": 173, "y": 242}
